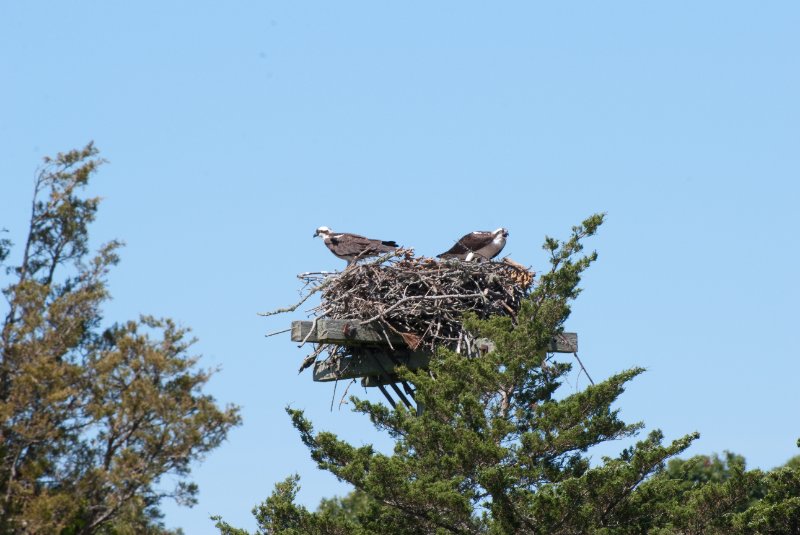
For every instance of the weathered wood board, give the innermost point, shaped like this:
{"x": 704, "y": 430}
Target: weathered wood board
{"x": 351, "y": 332}
{"x": 368, "y": 362}
{"x": 341, "y": 332}
{"x": 371, "y": 356}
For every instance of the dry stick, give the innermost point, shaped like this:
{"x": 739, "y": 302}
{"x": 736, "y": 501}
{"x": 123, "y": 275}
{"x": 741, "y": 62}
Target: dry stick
{"x": 303, "y": 300}
{"x": 342, "y": 401}
{"x": 311, "y": 331}
{"x": 386, "y": 335}
{"x": 278, "y": 332}
{"x": 308, "y": 274}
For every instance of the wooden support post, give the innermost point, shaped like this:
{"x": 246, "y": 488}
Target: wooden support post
{"x": 402, "y": 397}
{"x": 387, "y": 396}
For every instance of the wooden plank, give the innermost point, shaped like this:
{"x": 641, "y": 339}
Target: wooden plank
{"x": 349, "y": 332}
{"x": 564, "y": 343}
{"x": 366, "y": 362}
{"x": 341, "y": 332}
{"x": 300, "y": 330}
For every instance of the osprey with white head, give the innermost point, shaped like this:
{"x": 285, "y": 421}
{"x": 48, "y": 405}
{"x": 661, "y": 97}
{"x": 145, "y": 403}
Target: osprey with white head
{"x": 479, "y": 245}
{"x": 352, "y": 247}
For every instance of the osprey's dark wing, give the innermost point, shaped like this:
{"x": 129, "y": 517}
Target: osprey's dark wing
{"x": 355, "y": 246}
{"x": 469, "y": 243}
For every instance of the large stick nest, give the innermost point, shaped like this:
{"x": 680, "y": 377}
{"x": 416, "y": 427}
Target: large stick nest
{"x": 422, "y": 299}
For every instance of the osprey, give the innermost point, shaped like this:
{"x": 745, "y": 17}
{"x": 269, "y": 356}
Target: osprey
{"x": 352, "y": 247}
{"x": 479, "y": 245}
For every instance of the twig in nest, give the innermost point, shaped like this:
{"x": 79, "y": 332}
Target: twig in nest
{"x": 297, "y": 305}
{"x": 278, "y": 332}
{"x": 342, "y": 401}
{"x": 311, "y": 331}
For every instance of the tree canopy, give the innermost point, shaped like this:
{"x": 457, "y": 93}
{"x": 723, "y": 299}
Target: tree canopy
{"x": 499, "y": 449}
{"x": 92, "y": 415}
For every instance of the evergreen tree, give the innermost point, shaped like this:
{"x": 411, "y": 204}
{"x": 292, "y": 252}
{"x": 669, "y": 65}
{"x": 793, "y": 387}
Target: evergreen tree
{"x": 91, "y": 418}
{"x": 709, "y": 495}
{"x": 497, "y": 451}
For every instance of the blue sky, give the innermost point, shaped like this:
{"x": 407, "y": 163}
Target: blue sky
{"x": 234, "y": 129}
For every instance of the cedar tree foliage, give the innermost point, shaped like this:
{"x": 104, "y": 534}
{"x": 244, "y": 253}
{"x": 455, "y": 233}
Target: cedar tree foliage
{"x": 91, "y": 418}
{"x": 497, "y": 451}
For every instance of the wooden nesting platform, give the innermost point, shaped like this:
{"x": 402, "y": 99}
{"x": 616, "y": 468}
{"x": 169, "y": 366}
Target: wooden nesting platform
{"x": 372, "y": 358}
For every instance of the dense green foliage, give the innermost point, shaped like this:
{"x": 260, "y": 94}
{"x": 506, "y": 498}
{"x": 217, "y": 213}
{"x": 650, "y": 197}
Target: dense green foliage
{"x": 91, "y": 418}
{"x": 497, "y": 451}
